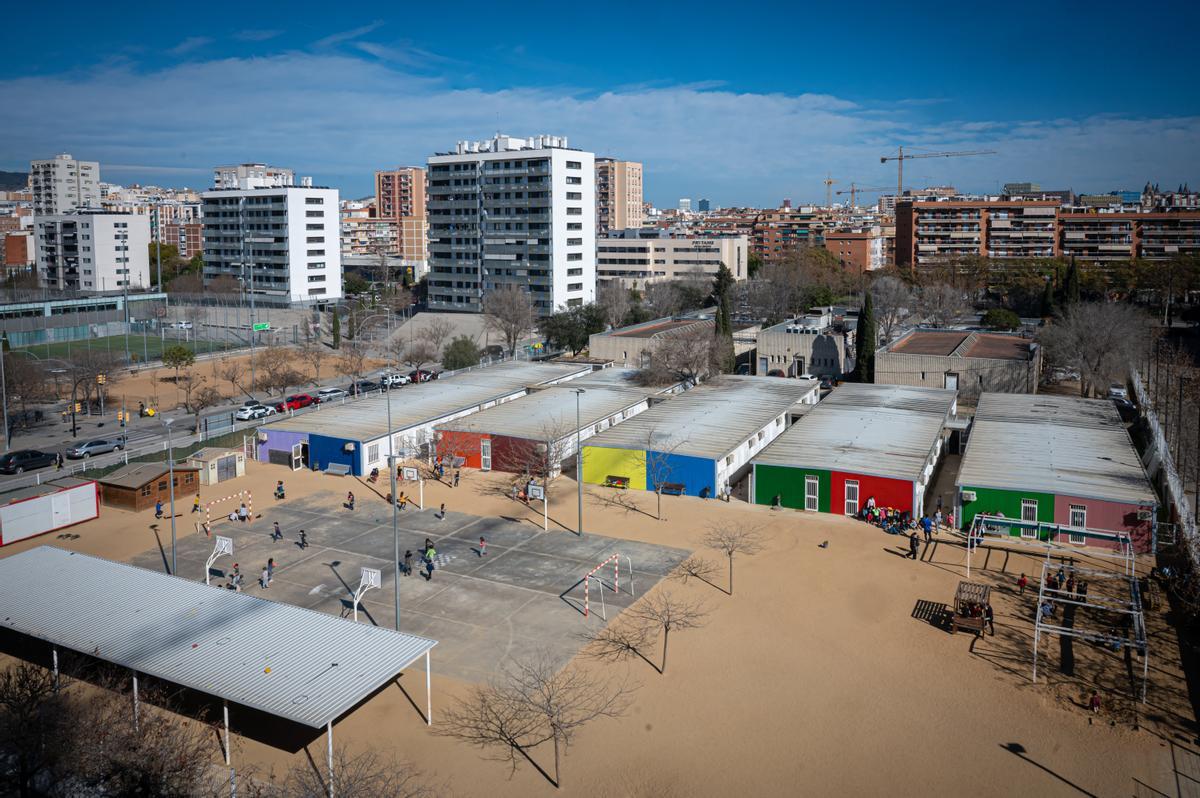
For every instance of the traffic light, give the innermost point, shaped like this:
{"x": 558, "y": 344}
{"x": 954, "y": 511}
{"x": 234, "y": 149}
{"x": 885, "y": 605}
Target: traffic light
{"x": 100, "y": 378}
{"x": 120, "y": 415}
{"x": 77, "y": 407}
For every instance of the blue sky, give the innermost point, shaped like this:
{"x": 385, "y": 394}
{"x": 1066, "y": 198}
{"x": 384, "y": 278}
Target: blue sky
{"x": 741, "y": 103}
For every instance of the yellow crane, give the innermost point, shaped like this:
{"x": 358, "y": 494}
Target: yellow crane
{"x": 900, "y": 158}
{"x": 828, "y": 181}
{"x": 854, "y": 190}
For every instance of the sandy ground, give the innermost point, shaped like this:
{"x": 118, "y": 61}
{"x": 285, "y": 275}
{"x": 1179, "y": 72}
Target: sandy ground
{"x": 812, "y": 678}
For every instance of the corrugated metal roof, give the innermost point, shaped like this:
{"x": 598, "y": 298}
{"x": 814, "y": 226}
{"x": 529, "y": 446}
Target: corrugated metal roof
{"x": 45, "y": 488}
{"x": 298, "y": 664}
{"x": 884, "y": 430}
{"x": 710, "y": 420}
{"x": 416, "y": 405}
{"x": 135, "y": 475}
{"x": 549, "y": 414}
{"x": 1054, "y": 444}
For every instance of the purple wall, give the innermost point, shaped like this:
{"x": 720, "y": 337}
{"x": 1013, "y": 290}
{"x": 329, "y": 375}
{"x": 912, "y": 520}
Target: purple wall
{"x": 1108, "y": 516}
{"x": 279, "y": 439}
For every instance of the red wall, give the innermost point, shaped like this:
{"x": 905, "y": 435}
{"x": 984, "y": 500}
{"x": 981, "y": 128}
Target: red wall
{"x": 460, "y": 444}
{"x": 897, "y": 493}
{"x": 516, "y": 455}
{"x": 1107, "y": 516}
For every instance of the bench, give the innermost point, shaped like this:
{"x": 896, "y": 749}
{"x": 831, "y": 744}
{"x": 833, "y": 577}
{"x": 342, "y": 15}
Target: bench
{"x": 966, "y": 622}
{"x": 338, "y": 469}
{"x": 674, "y": 488}
{"x": 613, "y": 481}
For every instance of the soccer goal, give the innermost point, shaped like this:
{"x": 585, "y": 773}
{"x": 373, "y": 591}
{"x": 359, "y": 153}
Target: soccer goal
{"x": 600, "y": 577}
{"x": 242, "y": 497}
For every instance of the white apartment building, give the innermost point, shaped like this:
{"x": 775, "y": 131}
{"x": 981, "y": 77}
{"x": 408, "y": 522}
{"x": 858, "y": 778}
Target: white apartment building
{"x": 512, "y": 212}
{"x": 253, "y": 175}
{"x": 281, "y": 243}
{"x": 93, "y": 251}
{"x": 63, "y": 184}
{"x": 638, "y": 257}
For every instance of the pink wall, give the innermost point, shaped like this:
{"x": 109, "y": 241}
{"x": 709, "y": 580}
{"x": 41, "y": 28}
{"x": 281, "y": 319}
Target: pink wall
{"x": 1110, "y": 516}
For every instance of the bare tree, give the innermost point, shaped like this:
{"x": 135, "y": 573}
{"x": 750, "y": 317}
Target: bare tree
{"x": 730, "y": 538}
{"x": 236, "y": 373}
{"x": 689, "y": 359}
{"x": 416, "y": 353}
{"x": 613, "y": 297}
{"x": 892, "y": 300}
{"x": 314, "y": 354}
{"x": 1101, "y": 339}
{"x": 25, "y": 380}
{"x": 533, "y": 702}
{"x": 940, "y": 304}
{"x": 352, "y": 362}
{"x": 277, "y": 371}
{"x": 198, "y": 395}
{"x": 509, "y": 314}
{"x": 437, "y": 332}
{"x": 35, "y": 720}
{"x": 656, "y": 457}
{"x": 366, "y": 775}
{"x": 665, "y": 298}
{"x": 666, "y": 613}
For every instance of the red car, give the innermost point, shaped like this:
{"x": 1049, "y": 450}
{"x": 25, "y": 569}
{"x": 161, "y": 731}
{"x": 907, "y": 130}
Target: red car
{"x": 295, "y": 402}
{"x": 421, "y": 375}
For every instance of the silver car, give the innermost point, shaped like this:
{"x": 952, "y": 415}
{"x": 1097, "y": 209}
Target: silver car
{"x": 82, "y": 451}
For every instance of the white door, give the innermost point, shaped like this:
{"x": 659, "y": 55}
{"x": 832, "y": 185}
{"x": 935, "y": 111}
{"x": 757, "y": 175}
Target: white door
{"x": 60, "y": 509}
{"x": 1079, "y": 520}
{"x": 1029, "y": 513}
{"x": 297, "y": 457}
{"x": 951, "y": 381}
{"x": 485, "y": 454}
{"x": 851, "y": 497}
{"x": 812, "y": 484}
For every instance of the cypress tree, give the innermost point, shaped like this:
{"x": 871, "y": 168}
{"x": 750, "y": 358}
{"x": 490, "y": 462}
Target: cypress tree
{"x": 337, "y": 331}
{"x": 1071, "y": 285}
{"x": 1048, "y": 299}
{"x": 864, "y": 342}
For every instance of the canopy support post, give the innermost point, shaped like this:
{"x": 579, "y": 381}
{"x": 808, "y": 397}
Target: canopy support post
{"x": 226, "y": 708}
{"x": 428, "y": 693}
{"x": 329, "y": 741}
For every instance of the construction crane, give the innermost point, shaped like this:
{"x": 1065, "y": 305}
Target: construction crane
{"x": 855, "y": 190}
{"x": 828, "y": 181}
{"x": 901, "y": 158}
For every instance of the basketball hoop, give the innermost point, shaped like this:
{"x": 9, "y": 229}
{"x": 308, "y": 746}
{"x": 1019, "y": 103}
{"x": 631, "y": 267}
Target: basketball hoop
{"x": 368, "y": 578}
{"x": 223, "y": 546}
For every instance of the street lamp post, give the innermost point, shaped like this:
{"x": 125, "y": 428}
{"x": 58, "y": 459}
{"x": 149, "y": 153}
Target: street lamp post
{"x": 579, "y": 459}
{"x": 167, "y": 422}
{"x": 395, "y": 508}
{"x": 4, "y": 394}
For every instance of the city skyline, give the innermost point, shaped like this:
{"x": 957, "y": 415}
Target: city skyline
{"x": 750, "y": 120}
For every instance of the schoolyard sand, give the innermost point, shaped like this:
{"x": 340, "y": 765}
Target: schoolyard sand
{"x": 813, "y": 678}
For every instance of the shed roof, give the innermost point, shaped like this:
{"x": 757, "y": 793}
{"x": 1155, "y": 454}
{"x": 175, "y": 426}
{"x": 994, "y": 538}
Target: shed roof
{"x": 882, "y": 430}
{"x": 1054, "y": 444}
{"x": 210, "y": 453}
{"x": 417, "y": 405}
{"x": 964, "y": 343}
{"x": 43, "y": 489}
{"x": 298, "y": 664}
{"x": 549, "y": 414}
{"x": 135, "y": 475}
{"x": 710, "y": 420}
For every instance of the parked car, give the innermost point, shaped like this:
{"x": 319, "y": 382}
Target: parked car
{"x": 253, "y": 411}
{"x": 361, "y": 387}
{"x": 421, "y": 375}
{"x": 1117, "y": 391}
{"x": 826, "y": 383}
{"x": 98, "y": 446}
{"x": 330, "y": 394}
{"x": 394, "y": 380}
{"x": 183, "y": 325}
{"x": 295, "y": 402}
{"x": 25, "y": 460}
{"x": 1126, "y": 409}
{"x": 776, "y": 373}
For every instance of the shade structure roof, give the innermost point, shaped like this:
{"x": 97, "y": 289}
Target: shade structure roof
{"x": 1054, "y": 444}
{"x": 881, "y": 430}
{"x": 416, "y": 405}
{"x": 710, "y": 420}
{"x": 549, "y": 414}
{"x": 294, "y": 663}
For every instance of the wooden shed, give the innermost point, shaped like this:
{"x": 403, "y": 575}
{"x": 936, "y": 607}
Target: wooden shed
{"x": 218, "y": 465}
{"x": 139, "y": 486}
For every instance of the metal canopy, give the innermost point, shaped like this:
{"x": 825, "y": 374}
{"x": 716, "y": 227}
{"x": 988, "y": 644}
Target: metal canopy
{"x": 294, "y": 663}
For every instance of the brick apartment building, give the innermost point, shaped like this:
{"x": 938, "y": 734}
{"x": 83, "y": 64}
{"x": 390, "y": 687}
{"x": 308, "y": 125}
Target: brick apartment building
{"x": 188, "y": 236}
{"x": 400, "y": 200}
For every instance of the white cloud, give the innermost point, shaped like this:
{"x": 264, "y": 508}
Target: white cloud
{"x": 189, "y": 44}
{"x": 339, "y": 117}
{"x": 251, "y": 35}
{"x": 342, "y": 37}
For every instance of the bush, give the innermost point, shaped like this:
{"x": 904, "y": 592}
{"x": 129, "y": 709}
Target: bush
{"x": 1001, "y": 319}
{"x": 460, "y": 353}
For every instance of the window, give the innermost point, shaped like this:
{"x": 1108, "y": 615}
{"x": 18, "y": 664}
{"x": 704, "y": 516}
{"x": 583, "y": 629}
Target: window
{"x": 1029, "y": 511}
{"x": 162, "y": 485}
{"x": 146, "y": 490}
{"x": 316, "y": 278}
{"x": 574, "y": 225}
{"x": 314, "y": 214}
{"x": 574, "y": 165}
{"x": 316, "y": 239}
{"x": 574, "y": 195}
{"x": 315, "y": 226}
{"x": 574, "y": 181}
{"x": 575, "y": 286}
{"x": 372, "y": 452}
{"x": 1078, "y": 520}
{"x": 574, "y": 272}
{"x": 320, "y": 264}
{"x": 314, "y": 200}
{"x": 574, "y": 256}
{"x": 574, "y": 211}
{"x": 574, "y": 242}
{"x": 312, "y": 252}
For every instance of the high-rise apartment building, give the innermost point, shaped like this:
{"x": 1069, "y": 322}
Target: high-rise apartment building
{"x": 63, "y": 184}
{"x": 703, "y": 206}
{"x": 685, "y": 205}
{"x": 400, "y": 201}
{"x": 512, "y": 212}
{"x": 93, "y": 251}
{"x": 252, "y": 175}
{"x": 188, "y": 237}
{"x": 281, "y": 243}
{"x": 619, "y": 195}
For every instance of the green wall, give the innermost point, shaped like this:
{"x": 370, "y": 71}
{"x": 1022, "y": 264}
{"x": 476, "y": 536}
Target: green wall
{"x": 991, "y": 501}
{"x": 788, "y": 483}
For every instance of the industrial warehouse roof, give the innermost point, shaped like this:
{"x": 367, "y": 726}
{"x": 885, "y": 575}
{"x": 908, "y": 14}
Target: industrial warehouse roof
{"x": 416, "y": 405}
{"x": 298, "y": 664}
{"x": 549, "y": 414}
{"x": 1053, "y": 444}
{"x": 883, "y": 430}
{"x": 669, "y": 327}
{"x": 961, "y": 343}
{"x": 710, "y": 420}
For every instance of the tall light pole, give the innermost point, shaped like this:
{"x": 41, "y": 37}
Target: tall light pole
{"x": 579, "y": 459}
{"x": 167, "y": 422}
{"x": 4, "y": 393}
{"x": 157, "y": 241}
{"x": 395, "y": 508}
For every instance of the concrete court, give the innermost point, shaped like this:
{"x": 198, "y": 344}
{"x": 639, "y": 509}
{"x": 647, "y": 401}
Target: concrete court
{"x": 525, "y": 593}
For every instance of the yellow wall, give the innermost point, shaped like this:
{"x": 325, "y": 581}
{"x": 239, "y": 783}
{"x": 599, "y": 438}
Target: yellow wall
{"x": 599, "y": 462}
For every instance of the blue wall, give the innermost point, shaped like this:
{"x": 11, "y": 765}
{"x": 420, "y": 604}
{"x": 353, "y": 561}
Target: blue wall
{"x": 697, "y": 473}
{"x": 323, "y": 450}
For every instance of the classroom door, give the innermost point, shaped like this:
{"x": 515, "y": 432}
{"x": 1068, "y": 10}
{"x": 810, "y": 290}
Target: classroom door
{"x": 485, "y": 454}
{"x": 851, "y": 497}
{"x": 812, "y": 486}
{"x": 951, "y": 381}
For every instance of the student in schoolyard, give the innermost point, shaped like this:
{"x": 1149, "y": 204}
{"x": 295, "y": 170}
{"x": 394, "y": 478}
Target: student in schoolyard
{"x": 243, "y": 514}
{"x": 989, "y": 618}
{"x": 429, "y": 565}
{"x": 482, "y": 546}
{"x": 927, "y": 528}
{"x": 350, "y": 500}
{"x": 442, "y": 512}
{"x": 276, "y": 533}
{"x": 913, "y": 545}
{"x": 457, "y": 474}
{"x": 270, "y": 569}
{"x": 938, "y": 518}
{"x": 428, "y": 545}
{"x": 279, "y": 493}
{"x": 158, "y": 509}
{"x": 402, "y": 501}
{"x": 1022, "y": 583}
{"x": 196, "y": 504}
{"x": 235, "y": 580}
{"x": 303, "y": 540}
{"x": 408, "y": 555}
{"x": 1094, "y": 704}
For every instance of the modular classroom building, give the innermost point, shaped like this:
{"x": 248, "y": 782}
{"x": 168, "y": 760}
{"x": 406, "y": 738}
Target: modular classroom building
{"x": 700, "y": 441}
{"x": 538, "y": 432}
{"x": 863, "y": 441}
{"x": 354, "y": 435}
{"x": 1057, "y": 460}
{"x": 969, "y": 362}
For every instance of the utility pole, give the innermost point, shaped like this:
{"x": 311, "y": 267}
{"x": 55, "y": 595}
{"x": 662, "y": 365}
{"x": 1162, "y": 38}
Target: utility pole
{"x": 395, "y": 509}
{"x": 4, "y": 394}
{"x": 579, "y": 459}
